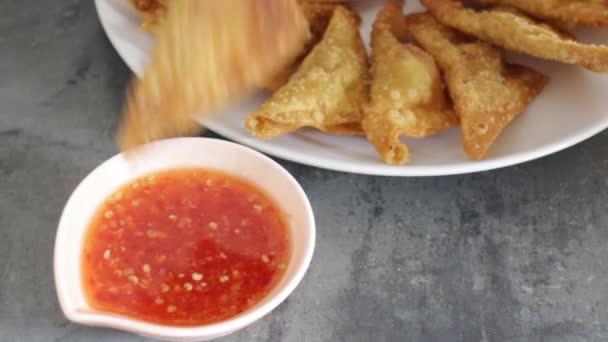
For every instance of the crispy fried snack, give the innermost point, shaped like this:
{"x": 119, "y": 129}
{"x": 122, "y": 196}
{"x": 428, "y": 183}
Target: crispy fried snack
{"x": 487, "y": 93}
{"x": 512, "y": 30}
{"x": 407, "y": 93}
{"x": 318, "y": 16}
{"x": 325, "y": 1}
{"x": 152, "y": 12}
{"x": 327, "y": 92}
{"x": 316, "y": 13}
{"x": 566, "y": 12}
{"x": 207, "y": 54}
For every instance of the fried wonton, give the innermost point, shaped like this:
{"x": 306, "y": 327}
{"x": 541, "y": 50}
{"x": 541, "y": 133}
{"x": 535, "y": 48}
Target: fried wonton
{"x": 565, "y": 12}
{"x": 318, "y": 16}
{"x": 327, "y": 92}
{"x": 325, "y": 1}
{"x": 208, "y": 53}
{"x": 407, "y": 93}
{"x": 151, "y": 11}
{"x": 513, "y": 30}
{"x": 487, "y": 92}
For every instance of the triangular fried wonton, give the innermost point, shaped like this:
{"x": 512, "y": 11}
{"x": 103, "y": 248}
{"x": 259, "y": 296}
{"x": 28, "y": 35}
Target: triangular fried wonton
{"x": 509, "y": 28}
{"x": 407, "y": 93}
{"x": 565, "y": 12}
{"x": 487, "y": 93}
{"x": 207, "y": 54}
{"x": 327, "y": 92}
{"x": 325, "y": 1}
{"x": 151, "y": 11}
{"x": 318, "y": 16}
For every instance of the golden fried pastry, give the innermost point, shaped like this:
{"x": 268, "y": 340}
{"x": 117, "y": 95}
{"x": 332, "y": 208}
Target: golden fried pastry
{"x": 487, "y": 93}
{"x": 566, "y": 12}
{"x": 325, "y": 1}
{"x": 318, "y": 16}
{"x": 327, "y": 91}
{"x": 152, "y": 11}
{"x": 407, "y": 93}
{"x": 515, "y": 31}
{"x": 207, "y": 54}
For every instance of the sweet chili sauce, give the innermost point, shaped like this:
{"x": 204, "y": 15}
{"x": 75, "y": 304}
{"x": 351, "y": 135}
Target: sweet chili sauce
{"x": 184, "y": 247}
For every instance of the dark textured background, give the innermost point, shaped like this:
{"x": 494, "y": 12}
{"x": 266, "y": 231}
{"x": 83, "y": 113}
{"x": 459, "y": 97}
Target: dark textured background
{"x": 519, "y": 254}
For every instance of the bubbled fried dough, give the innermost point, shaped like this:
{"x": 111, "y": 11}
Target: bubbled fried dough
{"x": 151, "y": 11}
{"x": 508, "y": 28}
{"x": 327, "y": 92}
{"x": 487, "y": 92}
{"x": 565, "y": 12}
{"x": 407, "y": 93}
{"x": 327, "y": 1}
{"x": 207, "y": 54}
{"x": 318, "y": 16}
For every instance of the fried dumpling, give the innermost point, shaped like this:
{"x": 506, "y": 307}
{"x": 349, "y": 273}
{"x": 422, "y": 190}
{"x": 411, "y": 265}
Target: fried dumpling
{"x": 407, "y": 93}
{"x": 511, "y": 29}
{"x": 326, "y": 1}
{"x": 564, "y": 12}
{"x": 487, "y": 92}
{"x": 329, "y": 89}
{"x": 207, "y": 54}
{"x": 151, "y": 11}
{"x": 318, "y": 16}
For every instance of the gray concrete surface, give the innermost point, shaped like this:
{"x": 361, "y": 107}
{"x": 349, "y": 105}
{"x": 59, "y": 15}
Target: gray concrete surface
{"x": 517, "y": 255}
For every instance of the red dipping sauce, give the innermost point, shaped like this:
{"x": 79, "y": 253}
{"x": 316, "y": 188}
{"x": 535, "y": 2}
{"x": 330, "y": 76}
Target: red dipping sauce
{"x": 184, "y": 247}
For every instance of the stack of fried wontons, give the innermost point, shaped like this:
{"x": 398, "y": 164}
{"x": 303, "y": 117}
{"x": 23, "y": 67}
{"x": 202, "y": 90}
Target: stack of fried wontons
{"x": 429, "y": 71}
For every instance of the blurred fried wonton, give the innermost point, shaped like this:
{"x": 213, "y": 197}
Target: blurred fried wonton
{"x": 207, "y": 54}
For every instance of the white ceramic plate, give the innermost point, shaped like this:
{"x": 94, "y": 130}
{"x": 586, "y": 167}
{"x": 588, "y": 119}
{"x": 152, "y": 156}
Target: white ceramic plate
{"x": 570, "y": 110}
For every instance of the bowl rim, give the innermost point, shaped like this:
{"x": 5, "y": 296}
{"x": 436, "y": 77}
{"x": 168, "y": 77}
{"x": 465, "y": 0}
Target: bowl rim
{"x": 216, "y": 329}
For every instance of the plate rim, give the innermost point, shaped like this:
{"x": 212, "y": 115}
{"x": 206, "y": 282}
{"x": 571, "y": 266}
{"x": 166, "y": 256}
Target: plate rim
{"x": 381, "y": 169}
{"x": 411, "y": 170}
